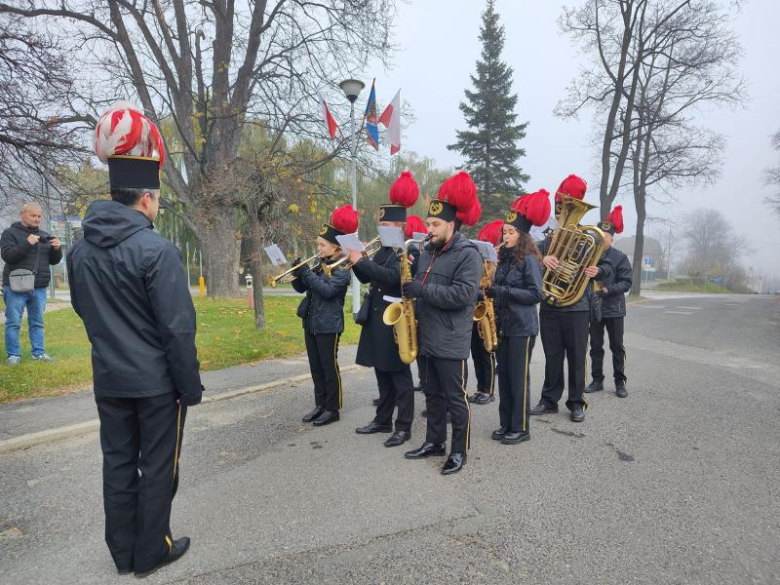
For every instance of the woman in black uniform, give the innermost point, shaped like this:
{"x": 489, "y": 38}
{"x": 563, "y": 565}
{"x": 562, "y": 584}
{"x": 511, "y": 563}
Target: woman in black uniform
{"x": 516, "y": 290}
{"x": 322, "y": 313}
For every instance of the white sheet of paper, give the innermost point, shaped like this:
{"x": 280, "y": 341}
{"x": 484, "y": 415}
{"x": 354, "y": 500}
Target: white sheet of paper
{"x": 390, "y": 299}
{"x": 350, "y": 242}
{"x": 487, "y": 250}
{"x": 419, "y": 235}
{"x": 275, "y": 255}
{"x": 537, "y": 232}
{"x": 391, "y": 237}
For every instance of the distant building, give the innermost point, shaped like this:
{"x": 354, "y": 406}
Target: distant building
{"x": 652, "y": 255}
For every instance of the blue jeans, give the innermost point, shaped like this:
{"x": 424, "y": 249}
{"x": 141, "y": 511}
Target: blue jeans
{"x": 15, "y": 303}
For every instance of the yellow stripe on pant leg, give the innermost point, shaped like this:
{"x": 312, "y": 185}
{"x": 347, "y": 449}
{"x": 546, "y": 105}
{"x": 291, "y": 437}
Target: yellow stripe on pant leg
{"x": 525, "y": 384}
{"x": 466, "y": 400}
{"x": 492, "y": 373}
{"x": 178, "y": 438}
{"x": 169, "y": 542}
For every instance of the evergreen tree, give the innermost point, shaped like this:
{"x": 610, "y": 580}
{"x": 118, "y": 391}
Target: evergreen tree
{"x": 489, "y": 146}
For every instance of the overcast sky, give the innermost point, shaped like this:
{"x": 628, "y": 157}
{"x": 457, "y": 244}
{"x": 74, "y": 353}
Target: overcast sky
{"x": 439, "y": 48}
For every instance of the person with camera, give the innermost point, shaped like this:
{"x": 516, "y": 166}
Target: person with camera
{"x": 28, "y": 253}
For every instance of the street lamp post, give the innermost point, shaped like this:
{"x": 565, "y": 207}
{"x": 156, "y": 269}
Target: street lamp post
{"x": 352, "y": 89}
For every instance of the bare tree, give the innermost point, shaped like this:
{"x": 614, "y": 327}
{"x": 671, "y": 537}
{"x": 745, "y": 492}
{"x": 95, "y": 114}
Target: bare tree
{"x": 772, "y": 178}
{"x": 714, "y": 248}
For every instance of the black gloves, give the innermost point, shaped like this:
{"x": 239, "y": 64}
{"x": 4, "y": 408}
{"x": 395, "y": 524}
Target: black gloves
{"x": 297, "y": 272}
{"x": 494, "y": 291}
{"x": 413, "y": 289}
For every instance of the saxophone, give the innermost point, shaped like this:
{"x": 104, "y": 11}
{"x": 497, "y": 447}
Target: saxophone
{"x": 484, "y": 312}
{"x": 401, "y": 315}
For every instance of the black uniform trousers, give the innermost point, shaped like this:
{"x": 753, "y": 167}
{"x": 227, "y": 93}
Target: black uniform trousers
{"x": 484, "y": 363}
{"x": 564, "y": 334}
{"x": 323, "y": 351}
{"x": 395, "y": 389}
{"x": 614, "y": 329}
{"x": 514, "y": 382}
{"x": 141, "y": 443}
{"x": 444, "y": 383}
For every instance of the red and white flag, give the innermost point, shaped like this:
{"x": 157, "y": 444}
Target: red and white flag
{"x": 391, "y": 118}
{"x": 330, "y": 121}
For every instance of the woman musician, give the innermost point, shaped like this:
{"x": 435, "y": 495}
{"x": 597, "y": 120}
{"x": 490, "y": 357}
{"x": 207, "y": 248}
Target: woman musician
{"x": 322, "y": 314}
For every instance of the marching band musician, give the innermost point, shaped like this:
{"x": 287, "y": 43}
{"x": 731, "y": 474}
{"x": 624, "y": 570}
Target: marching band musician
{"x": 445, "y": 288}
{"x": 377, "y": 348}
{"x": 611, "y": 301}
{"x": 516, "y": 290}
{"x": 322, "y": 315}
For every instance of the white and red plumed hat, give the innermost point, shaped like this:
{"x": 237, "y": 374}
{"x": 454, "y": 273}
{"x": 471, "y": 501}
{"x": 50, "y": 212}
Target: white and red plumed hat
{"x": 614, "y": 223}
{"x": 131, "y": 145}
{"x": 457, "y": 201}
{"x": 573, "y": 186}
{"x": 403, "y": 195}
{"x": 343, "y": 220}
{"x": 529, "y": 210}
{"x": 491, "y": 232}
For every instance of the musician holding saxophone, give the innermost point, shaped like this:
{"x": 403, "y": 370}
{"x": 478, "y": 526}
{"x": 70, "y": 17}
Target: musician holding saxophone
{"x": 516, "y": 290}
{"x": 377, "y": 348}
{"x": 322, "y": 314}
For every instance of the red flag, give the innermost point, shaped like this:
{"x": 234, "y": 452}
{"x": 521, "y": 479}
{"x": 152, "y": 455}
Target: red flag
{"x": 391, "y": 118}
{"x": 329, "y": 119}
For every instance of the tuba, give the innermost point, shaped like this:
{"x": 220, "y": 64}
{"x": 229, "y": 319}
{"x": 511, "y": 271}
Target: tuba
{"x": 576, "y": 247}
{"x": 485, "y": 313}
{"x": 401, "y": 315}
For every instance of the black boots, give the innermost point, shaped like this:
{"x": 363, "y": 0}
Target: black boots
{"x": 327, "y": 417}
{"x": 178, "y": 548}
{"x": 454, "y": 463}
{"x": 543, "y": 408}
{"x": 427, "y": 450}
{"x": 595, "y": 386}
{"x": 620, "y": 389}
{"x": 313, "y": 414}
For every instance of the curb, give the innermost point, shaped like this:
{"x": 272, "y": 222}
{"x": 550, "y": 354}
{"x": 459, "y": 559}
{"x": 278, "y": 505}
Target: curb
{"x": 81, "y": 429}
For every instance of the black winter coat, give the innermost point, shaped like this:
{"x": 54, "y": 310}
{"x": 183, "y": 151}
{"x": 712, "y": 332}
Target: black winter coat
{"x": 322, "y": 310}
{"x": 127, "y": 284}
{"x": 518, "y": 289}
{"x": 17, "y": 253}
{"x": 617, "y": 284}
{"x": 446, "y": 309}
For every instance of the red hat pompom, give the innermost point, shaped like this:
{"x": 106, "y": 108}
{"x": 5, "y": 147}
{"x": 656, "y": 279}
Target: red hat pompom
{"x": 404, "y": 190}
{"x": 123, "y": 130}
{"x": 492, "y": 232}
{"x": 460, "y": 192}
{"x": 471, "y": 217}
{"x": 414, "y": 223}
{"x": 536, "y": 207}
{"x": 344, "y": 219}
{"x": 616, "y": 219}
{"x": 573, "y": 186}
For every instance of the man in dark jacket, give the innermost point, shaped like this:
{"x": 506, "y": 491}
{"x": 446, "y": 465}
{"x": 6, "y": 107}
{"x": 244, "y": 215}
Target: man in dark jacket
{"x": 445, "y": 288}
{"x": 611, "y": 310}
{"x": 128, "y": 286}
{"x": 25, "y": 246}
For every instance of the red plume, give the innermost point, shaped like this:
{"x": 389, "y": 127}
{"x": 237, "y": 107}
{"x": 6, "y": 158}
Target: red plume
{"x": 414, "y": 223}
{"x": 573, "y": 186}
{"x": 461, "y": 192}
{"x": 536, "y": 207}
{"x": 471, "y": 217}
{"x": 344, "y": 219}
{"x": 492, "y": 232}
{"x": 405, "y": 190}
{"x": 616, "y": 219}
{"x": 123, "y": 130}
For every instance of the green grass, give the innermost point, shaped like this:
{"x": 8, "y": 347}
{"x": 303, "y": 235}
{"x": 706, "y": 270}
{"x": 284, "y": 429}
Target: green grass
{"x": 226, "y": 337}
{"x": 710, "y": 287}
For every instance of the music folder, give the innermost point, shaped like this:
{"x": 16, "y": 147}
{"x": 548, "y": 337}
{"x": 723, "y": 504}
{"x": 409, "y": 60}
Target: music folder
{"x": 275, "y": 255}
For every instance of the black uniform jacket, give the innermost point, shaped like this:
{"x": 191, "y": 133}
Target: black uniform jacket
{"x": 377, "y": 348}
{"x": 322, "y": 310}
{"x": 17, "y": 253}
{"x": 518, "y": 290}
{"x": 127, "y": 283}
{"x": 446, "y": 309}
{"x": 617, "y": 284}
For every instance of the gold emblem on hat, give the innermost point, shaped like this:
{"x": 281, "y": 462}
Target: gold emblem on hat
{"x": 381, "y": 212}
{"x": 604, "y": 225}
{"x": 511, "y": 217}
{"x": 324, "y": 230}
{"x": 436, "y": 208}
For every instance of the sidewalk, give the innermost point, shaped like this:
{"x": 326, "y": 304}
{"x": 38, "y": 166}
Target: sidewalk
{"x": 46, "y": 414}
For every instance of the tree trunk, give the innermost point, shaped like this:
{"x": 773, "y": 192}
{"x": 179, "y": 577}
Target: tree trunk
{"x": 219, "y": 242}
{"x": 255, "y": 266}
{"x": 636, "y": 266}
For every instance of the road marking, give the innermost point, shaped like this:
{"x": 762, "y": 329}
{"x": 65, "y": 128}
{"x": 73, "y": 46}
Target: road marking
{"x": 690, "y": 308}
{"x": 678, "y": 312}
{"x": 652, "y": 306}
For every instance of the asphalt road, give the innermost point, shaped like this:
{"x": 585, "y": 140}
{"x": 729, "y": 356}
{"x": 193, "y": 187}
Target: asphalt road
{"x": 679, "y": 483}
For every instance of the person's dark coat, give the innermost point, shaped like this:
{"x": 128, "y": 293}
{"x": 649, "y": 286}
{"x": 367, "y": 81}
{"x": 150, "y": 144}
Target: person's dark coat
{"x": 517, "y": 289}
{"x": 128, "y": 285}
{"x": 616, "y": 285}
{"x": 445, "y": 311}
{"x": 322, "y": 310}
{"x": 18, "y": 253}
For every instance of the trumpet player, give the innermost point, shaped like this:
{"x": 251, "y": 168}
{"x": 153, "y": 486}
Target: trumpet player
{"x": 516, "y": 290}
{"x": 322, "y": 314}
{"x": 377, "y": 348}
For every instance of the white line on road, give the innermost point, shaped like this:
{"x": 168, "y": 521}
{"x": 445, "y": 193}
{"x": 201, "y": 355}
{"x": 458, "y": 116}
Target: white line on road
{"x": 690, "y": 308}
{"x": 678, "y": 312}
{"x": 651, "y": 306}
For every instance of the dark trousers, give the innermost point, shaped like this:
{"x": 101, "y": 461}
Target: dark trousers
{"x": 514, "y": 382}
{"x": 323, "y": 351}
{"x": 564, "y": 335}
{"x": 614, "y": 329}
{"x": 395, "y": 389}
{"x": 484, "y": 363}
{"x": 445, "y": 382}
{"x": 139, "y": 435}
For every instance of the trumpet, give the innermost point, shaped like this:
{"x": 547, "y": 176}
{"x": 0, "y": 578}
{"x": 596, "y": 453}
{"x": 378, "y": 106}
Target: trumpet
{"x": 344, "y": 262}
{"x": 287, "y": 275}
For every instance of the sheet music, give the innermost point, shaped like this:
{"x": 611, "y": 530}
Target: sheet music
{"x": 391, "y": 237}
{"x": 351, "y": 242}
{"x": 275, "y": 255}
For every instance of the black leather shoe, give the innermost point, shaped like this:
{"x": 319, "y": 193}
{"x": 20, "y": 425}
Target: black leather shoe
{"x": 483, "y": 398}
{"x": 577, "y": 415}
{"x": 372, "y": 428}
{"x": 424, "y": 413}
{"x": 515, "y": 438}
{"x": 595, "y": 386}
{"x": 178, "y": 548}
{"x": 375, "y": 402}
{"x": 124, "y": 571}
{"x": 398, "y": 438}
{"x": 454, "y": 463}
{"x": 327, "y": 417}
{"x": 427, "y": 450}
{"x": 313, "y": 414}
{"x": 418, "y": 388}
{"x": 543, "y": 408}
{"x": 498, "y": 434}
{"x": 620, "y": 389}
{"x": 473, "y": 397}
